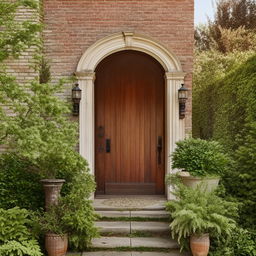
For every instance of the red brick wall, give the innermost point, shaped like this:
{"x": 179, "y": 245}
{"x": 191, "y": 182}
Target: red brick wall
{"x": 71, "y": 26}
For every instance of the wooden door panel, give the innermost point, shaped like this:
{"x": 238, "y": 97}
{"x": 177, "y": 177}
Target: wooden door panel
{"x": 129, "y": 104}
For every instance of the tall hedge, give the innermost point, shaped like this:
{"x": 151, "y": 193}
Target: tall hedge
{"x": 224, "y": 109}
{"x": 223, "y": 95}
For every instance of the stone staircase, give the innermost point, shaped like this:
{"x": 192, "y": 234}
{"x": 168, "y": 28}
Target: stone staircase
{"x": 143, "y": 231}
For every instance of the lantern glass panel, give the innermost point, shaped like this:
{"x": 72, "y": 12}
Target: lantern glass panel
{"x": 183, "y": 94}
{"x": 76, "y": 94}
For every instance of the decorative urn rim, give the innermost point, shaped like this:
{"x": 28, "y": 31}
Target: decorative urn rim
{"x": 45, "y": 181}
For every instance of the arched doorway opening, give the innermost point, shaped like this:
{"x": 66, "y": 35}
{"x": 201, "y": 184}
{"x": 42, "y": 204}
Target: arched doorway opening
{"x": 129, "y": 124}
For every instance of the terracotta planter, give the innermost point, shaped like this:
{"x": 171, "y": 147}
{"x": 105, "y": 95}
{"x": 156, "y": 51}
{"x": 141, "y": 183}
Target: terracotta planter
{"x": 200, "y": 245}
{"x": 207, "y": 184}
{"x": 56, "y": 245}
{"x": 52, "y": 189}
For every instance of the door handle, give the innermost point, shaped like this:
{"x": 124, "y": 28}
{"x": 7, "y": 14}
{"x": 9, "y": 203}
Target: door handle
{"x": 159, "y": 149}
{"x": 108, "y": 145}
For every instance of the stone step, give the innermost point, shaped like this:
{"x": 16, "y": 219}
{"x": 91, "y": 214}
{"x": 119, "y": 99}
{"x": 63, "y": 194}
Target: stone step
{"x": 161, "y": 214}
{"x": 129, "y": 204}
{"x": 126, "y": 227}
{"x": 114, "y": 214}
{"x": 114, "y": 227}
{"x": 150, "y": 226}
{"x": 156, "y": 214}
{"x": 134, "y": 242}
{"x": 118, "y": 253}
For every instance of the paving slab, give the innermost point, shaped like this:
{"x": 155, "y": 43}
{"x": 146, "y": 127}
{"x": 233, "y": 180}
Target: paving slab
{"x": 154, "y": 242}
{"x": 120, "y": 227}
{"x": 111, "y": 242}
{"x": 108, "y": 253}
{"x": 129, "y": 203}
{"x": 114, "y": 214}
{"x": 150, "y": 214}
{"x": 150, "y": 226}
{"x": 174, "y": 253}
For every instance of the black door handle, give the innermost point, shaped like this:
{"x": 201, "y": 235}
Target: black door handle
{"x": 159, "y": 149}
{"x": 108, "y": 145}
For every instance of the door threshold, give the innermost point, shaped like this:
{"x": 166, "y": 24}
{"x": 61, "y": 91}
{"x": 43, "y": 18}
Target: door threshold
{"x": 160, "y": 197}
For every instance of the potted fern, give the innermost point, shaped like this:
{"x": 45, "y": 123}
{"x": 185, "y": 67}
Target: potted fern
{"x": 196, "y": 216}
{"x": 200, "y": 161}
{"x": 55, "y": 230}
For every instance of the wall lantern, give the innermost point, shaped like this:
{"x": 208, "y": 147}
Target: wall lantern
{"x": 183, "y": 96}
{"x": 76, "y": 97}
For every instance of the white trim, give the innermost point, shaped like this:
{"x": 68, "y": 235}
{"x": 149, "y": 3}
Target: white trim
{"x": 127, "y": 41}
{"x": 175, "y": 127}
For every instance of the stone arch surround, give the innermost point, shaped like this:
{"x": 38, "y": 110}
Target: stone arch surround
{"x": 174, "y": 77}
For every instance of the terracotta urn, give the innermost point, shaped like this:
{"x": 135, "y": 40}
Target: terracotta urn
{"x": 56, "y": 245}
{"x": 200, "y": 244}
{"x": 208, "y": 184}
{"x": 52, "y": 189}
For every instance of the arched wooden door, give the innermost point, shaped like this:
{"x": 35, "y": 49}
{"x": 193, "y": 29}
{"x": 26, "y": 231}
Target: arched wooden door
{"x": 129, "y": 124}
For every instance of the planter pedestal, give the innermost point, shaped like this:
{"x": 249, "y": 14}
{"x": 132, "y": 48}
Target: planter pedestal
{"x": 208, "y": 184}
{"x": 56, "y": 245}
{"x": 52, "y": 189}
{"x": 200, "y": 245}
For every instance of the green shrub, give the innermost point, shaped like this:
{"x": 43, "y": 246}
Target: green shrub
{"x": 19, "y": 185}
{"x": 80, "y": 216}
{"x": 200, "y": 157}
{"x": 15, "y": 234}
{"x": 224, "y": 109}
{"x": 75, "y": 214}
{"x": 197, "y": 212}
{"x": 217, "y": 83}
{"x": 52, "y": 221}
{"x": 241, "y": 182}
{"x": 241, "y": 243}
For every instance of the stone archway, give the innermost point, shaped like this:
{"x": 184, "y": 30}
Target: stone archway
{"x": 174, "y": 77}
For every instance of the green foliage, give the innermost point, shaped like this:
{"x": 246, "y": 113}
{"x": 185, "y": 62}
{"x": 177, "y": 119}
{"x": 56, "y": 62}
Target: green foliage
{"x": 197, "y": 212}
{"x": 52, "y": 221}
{"x": 224, "y": 107}
{"x": 224, "y": 100}
{"x": 74, "y": 215}
{"x": 241, "y": 243}
{"x": 19, "y": 186}
{"x": 44, "y": 71}
{"x": 243, "y": 178}
{"x": 36, "y": 128}
{"x": 223, "y": 91}
{"x": 200, "y": 157}
{"x": 15, "y": 37}
{"x": 40, "y": 130}
{"x": 34, "y": 121}
{"x": 233, "y": 27}
{"x": 15, "y": 234}
{"x": 80, "y": 217}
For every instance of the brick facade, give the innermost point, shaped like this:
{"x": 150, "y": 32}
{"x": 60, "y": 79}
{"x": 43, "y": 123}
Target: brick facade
{"x": 71, "y": 26}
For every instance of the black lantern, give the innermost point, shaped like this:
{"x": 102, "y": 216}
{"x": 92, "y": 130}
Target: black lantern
{"x": 183, "y": 96}
{"x": 76, "y": 97}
